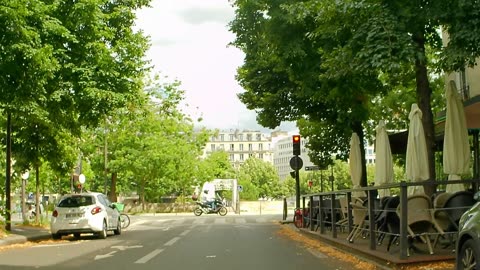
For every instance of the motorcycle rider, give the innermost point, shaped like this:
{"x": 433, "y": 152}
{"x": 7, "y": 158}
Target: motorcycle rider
{"x": 211, "y": 202}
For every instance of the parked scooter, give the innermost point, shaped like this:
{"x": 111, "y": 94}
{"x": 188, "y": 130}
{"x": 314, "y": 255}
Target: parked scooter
{"x": 206, "y": 208}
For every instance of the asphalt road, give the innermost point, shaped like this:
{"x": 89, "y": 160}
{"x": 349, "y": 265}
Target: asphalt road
{"x": 177, "y": 242}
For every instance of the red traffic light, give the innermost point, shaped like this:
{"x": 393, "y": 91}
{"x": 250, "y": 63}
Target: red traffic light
{"x": 296, "y": 145}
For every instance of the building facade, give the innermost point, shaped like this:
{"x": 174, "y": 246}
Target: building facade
{"x": 283, "y": 152}
{"x": 240, "y": 145}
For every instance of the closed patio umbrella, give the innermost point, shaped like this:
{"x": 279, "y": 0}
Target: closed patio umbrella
{"x": 417, "y": 158}
{"x": 456, "y": 149}
{"x": 383, "y": 159}
{"x": 355, "y": 162}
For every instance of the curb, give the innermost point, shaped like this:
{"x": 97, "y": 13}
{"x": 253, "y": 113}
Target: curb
{"x": 13, "y": 239}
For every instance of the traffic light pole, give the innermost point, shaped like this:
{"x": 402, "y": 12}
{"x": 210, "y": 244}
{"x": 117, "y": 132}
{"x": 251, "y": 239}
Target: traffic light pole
{"x": 297, "y": 188}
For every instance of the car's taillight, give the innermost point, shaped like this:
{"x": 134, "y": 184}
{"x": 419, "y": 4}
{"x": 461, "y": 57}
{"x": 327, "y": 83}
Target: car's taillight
{"x": 96, "y": 210}
{"x": 55, "y": 213}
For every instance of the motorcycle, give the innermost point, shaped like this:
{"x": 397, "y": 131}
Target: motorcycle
{"x": 205, "y": 208}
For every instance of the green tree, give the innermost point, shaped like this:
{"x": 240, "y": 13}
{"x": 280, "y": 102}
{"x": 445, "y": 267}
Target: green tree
{"x": 152, "y": 146}
{"x": 262, "y": 175}
{"x": 286, "y": 78}
{"x": 329, "y": 62}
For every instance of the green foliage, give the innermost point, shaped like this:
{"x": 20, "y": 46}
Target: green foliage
{"x": 337, "y": 67}
{"x": 151, "y": 146}
{"x": 260, "y": 180}
{"x": 64, "y": 65}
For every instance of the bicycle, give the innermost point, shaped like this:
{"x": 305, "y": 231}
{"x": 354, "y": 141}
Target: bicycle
{"x": 124, "y": 220}
{"x": 298, "y": 218}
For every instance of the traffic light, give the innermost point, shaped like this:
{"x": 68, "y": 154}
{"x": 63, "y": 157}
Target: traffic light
{"x": 296, "y": 145}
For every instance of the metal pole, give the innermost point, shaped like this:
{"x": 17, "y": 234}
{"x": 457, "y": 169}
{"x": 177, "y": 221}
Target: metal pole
{"x": 8, "y": 206}
{"x": 297, "y": 188}
{"x": 321, "y": 181}
{"x": 403, "y": 221}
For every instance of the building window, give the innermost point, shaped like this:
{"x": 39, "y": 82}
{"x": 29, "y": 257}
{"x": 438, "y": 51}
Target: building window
{"x": 241, "y": 157}
{"x": 212, "y": 147}
{"x": 259, "y": 137}
{"x": 260, "y": 146}
{"x": 232, "y": 147}
{"x": 250, "y": 147}
{"x": 222, "y": 147}
{"x": 241, "y": 147}
{"x": 260, "y": 156}
{"x": 249, "y": 137}
{"x": 232, "y": 137}
{"x": 370, "y": 151}
{"x": 232, "y": 157}
{"x": 222, "y": 137}
{"x": 240, "y": 137}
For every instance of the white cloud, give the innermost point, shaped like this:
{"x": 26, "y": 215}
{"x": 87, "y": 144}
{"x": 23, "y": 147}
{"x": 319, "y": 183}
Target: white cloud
{"x": 190, "y": 43}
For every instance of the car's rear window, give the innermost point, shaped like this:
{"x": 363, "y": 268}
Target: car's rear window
{"x": 76, "y": 201}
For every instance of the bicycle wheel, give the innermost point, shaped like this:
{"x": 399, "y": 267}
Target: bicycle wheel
{"x": 125, "y": 220}
{"x": 298, "y": 218}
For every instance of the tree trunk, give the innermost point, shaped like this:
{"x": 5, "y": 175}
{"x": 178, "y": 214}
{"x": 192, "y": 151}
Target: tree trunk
{"x": 142, "y": 195}
{"x": 424, "y": 94}
{"x": 37, "y": 193}
{"x": 113, "y": 188}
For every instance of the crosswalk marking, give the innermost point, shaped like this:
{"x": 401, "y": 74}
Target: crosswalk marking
{"x": 240, "y": 220}
{"x": 199, "y": 221}
{"x": 220, "y": 221}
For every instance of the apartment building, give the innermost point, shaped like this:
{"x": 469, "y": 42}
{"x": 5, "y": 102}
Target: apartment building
{"x": 240, "y": 145}
{"x": 283, "y": 152}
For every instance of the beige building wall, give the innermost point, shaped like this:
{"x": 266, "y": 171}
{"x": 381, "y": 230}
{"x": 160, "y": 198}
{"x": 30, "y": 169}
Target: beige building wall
{"x": 240, "y": 145}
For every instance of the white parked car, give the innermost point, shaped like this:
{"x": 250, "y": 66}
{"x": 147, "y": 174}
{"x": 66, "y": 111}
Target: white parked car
{"x": 89, "y": 212}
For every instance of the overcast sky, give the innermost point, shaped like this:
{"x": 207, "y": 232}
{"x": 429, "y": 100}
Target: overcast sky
{"x": 190, "y": 43}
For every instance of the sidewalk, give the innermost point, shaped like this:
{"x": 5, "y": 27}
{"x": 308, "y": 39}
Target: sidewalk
{"x": 21, "y": 234}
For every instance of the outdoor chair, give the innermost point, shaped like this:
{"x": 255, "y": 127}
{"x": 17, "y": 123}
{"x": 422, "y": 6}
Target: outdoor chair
{"x": 391, "y": 223}
{"x": 456, "y": 206}
{"x": 359, "y": 213}
{"x": 420, "y": 221}
{"x": 315, "y": 211}
{"x": 381, "y": 218}
{"x": 448, "y": 215}
{"x": 343, "y": 211}
{"x": 439, "y": 213}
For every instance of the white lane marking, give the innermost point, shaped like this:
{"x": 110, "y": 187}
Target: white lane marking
{"x": 110, "y": 254}
{"x": 149, "y": 256}
{"x": 220, "y": 221}
{"x": 211, "y": 256}
{"x": 240, "y": 220}
{"x": 126, "y": 247}
{"x": 171, "y": 242}
{"x": 185, "y": 232}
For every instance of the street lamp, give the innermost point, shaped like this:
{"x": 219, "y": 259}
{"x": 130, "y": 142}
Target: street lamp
{"x": 24, "y": 177}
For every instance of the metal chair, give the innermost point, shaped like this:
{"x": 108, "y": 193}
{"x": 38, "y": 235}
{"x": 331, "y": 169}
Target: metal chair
{"x": 420, "y": 220}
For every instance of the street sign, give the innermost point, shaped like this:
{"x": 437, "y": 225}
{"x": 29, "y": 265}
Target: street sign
{"x": 296, "y": 163}
{"x": 312, "y": 168}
